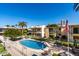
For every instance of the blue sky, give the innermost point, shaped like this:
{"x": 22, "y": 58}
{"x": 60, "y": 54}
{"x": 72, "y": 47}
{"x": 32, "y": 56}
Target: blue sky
{"x": 37, "y": 14}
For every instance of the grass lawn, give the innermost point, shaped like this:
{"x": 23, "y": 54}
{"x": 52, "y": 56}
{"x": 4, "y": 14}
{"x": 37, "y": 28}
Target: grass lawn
{"x": 2, "y": 48}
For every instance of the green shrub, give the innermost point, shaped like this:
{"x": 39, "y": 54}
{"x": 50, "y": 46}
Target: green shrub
{"x": 65, "y": 43}
{"x": 7, "y": 54}
{"x": 40, "y": 39}
{"x": 2, "y": 48}
{"x": 71, "y": 44}
{"x": 15, "y": 39}
{"x": 54, "y": 54}
{"x": 52, "y": 36}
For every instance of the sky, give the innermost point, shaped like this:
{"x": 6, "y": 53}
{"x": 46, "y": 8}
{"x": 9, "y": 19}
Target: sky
{"x": 37, "y": 13}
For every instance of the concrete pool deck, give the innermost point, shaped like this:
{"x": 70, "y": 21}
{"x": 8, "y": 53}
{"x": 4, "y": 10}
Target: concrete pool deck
{"x": 17, "y": 49}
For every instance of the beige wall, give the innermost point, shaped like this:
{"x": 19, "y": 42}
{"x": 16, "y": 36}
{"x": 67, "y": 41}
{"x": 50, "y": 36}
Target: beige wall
{"x": 46, "y": 32}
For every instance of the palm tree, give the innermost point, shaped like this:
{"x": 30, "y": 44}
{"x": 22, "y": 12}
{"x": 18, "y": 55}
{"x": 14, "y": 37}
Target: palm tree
{"x": 12, "y": 25}
{"x": 16, "y": 25}
{"x": 76, "y": 6}
{"x": 22, "y": 25}
{"x": 7, "y": 25}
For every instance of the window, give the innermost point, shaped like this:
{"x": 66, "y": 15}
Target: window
{"x": 76, "y": 30}
{"x": 50, "y": 29}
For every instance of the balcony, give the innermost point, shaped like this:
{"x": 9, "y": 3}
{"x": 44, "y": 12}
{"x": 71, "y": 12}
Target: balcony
{"x": 76, "y": 34}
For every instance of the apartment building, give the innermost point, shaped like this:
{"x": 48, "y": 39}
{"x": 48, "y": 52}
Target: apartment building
{"x": 47, "y": 31}
{"x": 42, "y": 31}
{"x": 74, "y": 31}
{"x": 51, "y": 31}
{"x": 37, "y": 31}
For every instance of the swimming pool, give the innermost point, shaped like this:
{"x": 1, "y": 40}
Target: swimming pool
{"x": 33, "y": 44}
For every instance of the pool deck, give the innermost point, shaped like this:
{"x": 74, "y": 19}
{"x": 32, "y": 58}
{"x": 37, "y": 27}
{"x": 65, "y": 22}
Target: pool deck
{"x": 16, "y": 49}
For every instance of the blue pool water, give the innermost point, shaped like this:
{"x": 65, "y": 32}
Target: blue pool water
{"x": 33, "y": 44}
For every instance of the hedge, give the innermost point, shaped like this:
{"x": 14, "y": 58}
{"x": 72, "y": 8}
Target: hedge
{"x": 71, "y": 44}
{"x": 54, "y": 54}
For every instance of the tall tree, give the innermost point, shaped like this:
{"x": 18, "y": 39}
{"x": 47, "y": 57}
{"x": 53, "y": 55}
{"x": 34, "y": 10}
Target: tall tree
{"x": 22, "y": 25}
{"x": 12, "y": 33}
